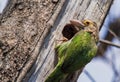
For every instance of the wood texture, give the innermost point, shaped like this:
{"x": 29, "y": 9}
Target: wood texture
{"x": 29, "y": 29}
{"x": 72, "y": 9}
{"x": 23, "y": 26}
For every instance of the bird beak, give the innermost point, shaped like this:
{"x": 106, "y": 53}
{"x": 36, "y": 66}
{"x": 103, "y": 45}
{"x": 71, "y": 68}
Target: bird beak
{"x": 77, "y": 23}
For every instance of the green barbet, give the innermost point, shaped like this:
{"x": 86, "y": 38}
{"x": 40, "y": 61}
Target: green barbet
{"x": 75, "y": 53}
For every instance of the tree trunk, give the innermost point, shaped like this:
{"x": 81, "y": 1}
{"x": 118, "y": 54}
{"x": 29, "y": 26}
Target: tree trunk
{"x": 28, "y": 30}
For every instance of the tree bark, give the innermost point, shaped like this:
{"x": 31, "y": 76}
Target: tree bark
{"x": 28, "y": 30}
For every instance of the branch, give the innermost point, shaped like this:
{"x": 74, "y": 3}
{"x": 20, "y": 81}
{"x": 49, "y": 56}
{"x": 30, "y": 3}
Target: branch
{"x": 109, "y": 43}
{"x": 114, "y": 34}
{"x": 89, "y": 76}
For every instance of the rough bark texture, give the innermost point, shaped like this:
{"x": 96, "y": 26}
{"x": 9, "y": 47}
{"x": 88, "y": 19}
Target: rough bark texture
{"x": 26, "y": 36}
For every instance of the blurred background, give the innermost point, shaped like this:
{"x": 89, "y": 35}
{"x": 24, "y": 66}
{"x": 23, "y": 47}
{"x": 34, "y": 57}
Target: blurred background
{"x": 105, "y": 67}
{"x": 2, "y": 4}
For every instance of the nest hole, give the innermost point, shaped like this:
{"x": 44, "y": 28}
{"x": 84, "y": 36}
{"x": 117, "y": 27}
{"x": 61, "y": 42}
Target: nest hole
{"x": 69, "y": 31}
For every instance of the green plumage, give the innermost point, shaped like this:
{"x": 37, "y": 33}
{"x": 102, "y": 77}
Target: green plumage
{"x": 73, "y": 55}
{"x": 79, "y": 52}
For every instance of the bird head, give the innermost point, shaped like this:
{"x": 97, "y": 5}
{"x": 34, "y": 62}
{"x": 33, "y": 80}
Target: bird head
{"x": 88, "y": 25}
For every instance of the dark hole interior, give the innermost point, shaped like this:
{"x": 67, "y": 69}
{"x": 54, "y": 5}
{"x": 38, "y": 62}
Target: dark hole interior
{"x": 69, "y": 31}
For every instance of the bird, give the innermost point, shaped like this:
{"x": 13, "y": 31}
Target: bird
{"x": 78, "y": 51}
{"x": 70, "y": 29}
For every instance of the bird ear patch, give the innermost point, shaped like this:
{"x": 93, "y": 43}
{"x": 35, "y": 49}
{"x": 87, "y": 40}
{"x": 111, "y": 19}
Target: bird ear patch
{"x": 69, "y": 31}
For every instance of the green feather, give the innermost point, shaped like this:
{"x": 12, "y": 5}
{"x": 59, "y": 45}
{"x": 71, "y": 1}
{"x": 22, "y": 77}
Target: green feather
{"x": 73, "y": 55}
{"x": 61, "y": 49}
{"x": 79, "y": 52}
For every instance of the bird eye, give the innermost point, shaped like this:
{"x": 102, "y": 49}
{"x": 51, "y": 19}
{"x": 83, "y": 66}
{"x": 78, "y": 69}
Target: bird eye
{"x": 87, "y": 23}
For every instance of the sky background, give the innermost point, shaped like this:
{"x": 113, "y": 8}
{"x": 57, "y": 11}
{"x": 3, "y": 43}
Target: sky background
{"x": 99, "y": 69}
{"x": 2, "y": 5}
